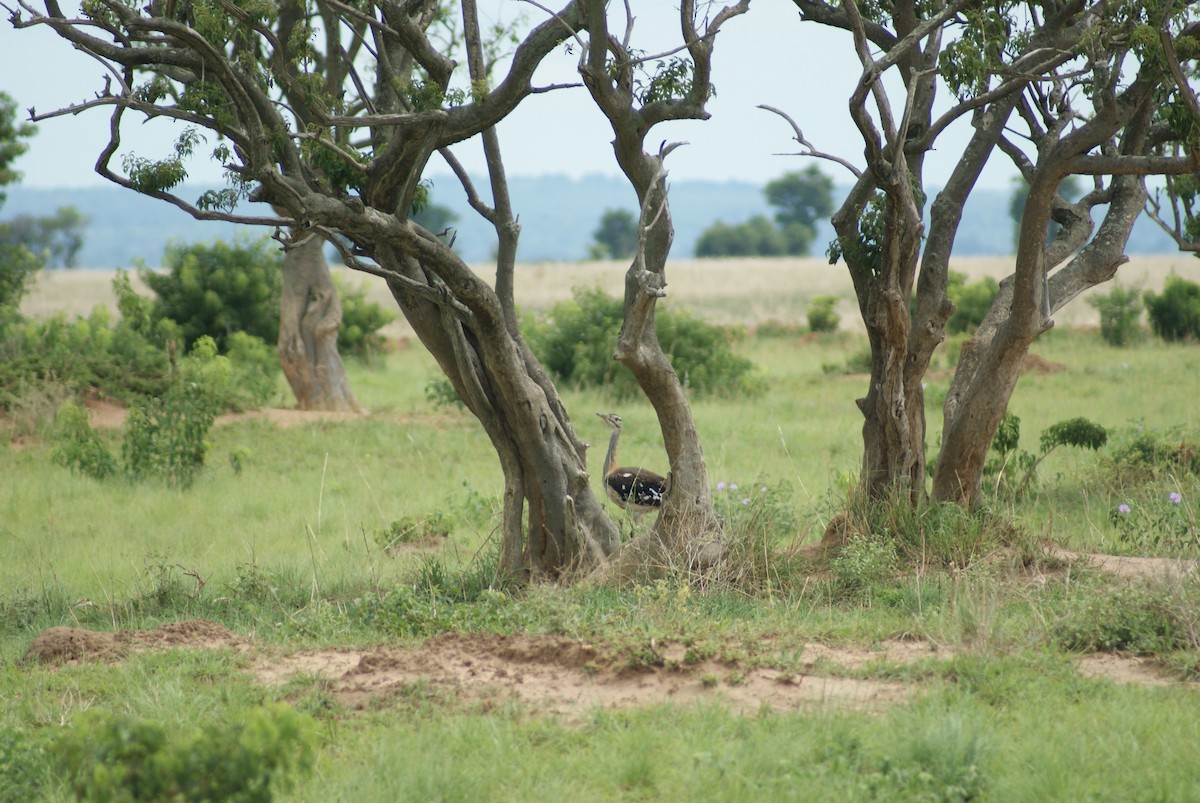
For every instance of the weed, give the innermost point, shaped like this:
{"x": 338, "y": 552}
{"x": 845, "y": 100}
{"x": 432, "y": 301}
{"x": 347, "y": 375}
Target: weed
{"x": 413, "y": 529}
{"x": 863, "y": 564}
{"x": 1144, "y": 619}
{"x": 1158, "y": 523}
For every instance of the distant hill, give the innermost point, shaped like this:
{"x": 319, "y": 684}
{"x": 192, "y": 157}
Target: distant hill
{"x": 557, "y": 216}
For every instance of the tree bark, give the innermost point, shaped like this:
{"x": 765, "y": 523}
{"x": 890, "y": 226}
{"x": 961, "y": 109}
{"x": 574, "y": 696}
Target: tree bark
{"x": 310, "y": 315}
{"x": 688, "y": 532}
{"x": 552, "y": 525}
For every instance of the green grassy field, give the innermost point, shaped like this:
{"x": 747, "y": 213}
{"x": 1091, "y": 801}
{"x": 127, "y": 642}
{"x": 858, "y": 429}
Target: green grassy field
{"x": 1002, "y": 672}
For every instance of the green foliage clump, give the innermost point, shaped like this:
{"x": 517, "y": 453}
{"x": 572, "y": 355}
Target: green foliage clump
{"x": 1120, "y": 316}
{"x": 1175, "y": 313}
{"x": 78, "y": 446}
{"x": 821, "y": 314}
{"x": 1078, "y": 432}
{"x": 218, "y": 288}
{"x": 971, "y": 302}
{"x": 84, "y": 354}
{"x": 227, "y": 291}
{"x": 616, "y": 236}
{"x": 441, "y": 394}
{"x": 575, "y": 341}
{"x": 801, "y": 198}
{"x": 863, "y": 564}
{"x": 757, "y": 236}
{"x": 12, "y": 146}
{"x": 1159, "y": 522}
{"x": 52, "y": 239}
{"x": 22, "y": 766}
{"x": 1145, "y": 619}
{"x": 413, "y": 529}
{"x": 1142, "y": 455}
{"x": 116, "y": 757}
{"x": 18, "y": 264}
{"x": 361, "y": 321}
{"x": 165, "y": 436}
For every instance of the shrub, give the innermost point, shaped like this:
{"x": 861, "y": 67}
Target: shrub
{"x": 821, "y": 314}
{"x": 219, "y": 288}
{"x": 441, "y": 394}
{"x": 22, "y": 766}
{"x": 1175, "y": 314}
{"x": 1142, "y": 454}
{"x": 971, "y": 302}
{"x": 757, "y": 236}
{"x": 1143, "y": 619}
{"x": 165, "y": 436}
{"x": 1120, "y": 316}
{"x": 361, "y": 321}
{"x": 575, "y": 342}
{"x": 78, "y": 446}
{"x": 84, "y": 354}
{"x": 110, "y": 756}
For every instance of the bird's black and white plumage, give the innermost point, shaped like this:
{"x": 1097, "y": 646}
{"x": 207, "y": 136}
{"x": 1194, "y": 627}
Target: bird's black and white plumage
{"x": 635, "y": 489}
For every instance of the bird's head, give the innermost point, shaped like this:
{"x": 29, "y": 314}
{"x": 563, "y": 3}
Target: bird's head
{"x": 612, "y": 419}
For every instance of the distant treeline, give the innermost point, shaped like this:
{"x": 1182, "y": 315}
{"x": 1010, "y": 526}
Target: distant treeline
{"x": 557, "y": 215}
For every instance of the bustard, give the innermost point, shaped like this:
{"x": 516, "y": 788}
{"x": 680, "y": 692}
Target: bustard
{"x": 635, "y": 489}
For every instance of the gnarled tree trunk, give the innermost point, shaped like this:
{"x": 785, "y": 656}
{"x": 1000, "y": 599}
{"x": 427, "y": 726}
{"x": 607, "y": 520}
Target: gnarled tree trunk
{"x": 310, "y": 315}
{"x": 565, "y": 528}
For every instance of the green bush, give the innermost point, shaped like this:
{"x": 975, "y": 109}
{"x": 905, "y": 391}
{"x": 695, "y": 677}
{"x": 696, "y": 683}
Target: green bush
{"x": 78, "y": 446}
{"x": 1120, "y": 316}
{"x": 165, "y": 436}
{"x": 971, "y": 302}
{"x": 361, "y": 321}
{"x": 1175, "y": 314}
{"x": 116, "y": 757}
{"x": 22, "y": 766}
{"x": 758, "y": 236}
{"x": 84, "y": 354}
{"x": 821, "y": 314}
{"x": 1140, "y": 454}
{"x": 1145, "y": 619}
{"x": 575, "y": 342}
{"x": 93, "y": 355}
{"x": 219, "y": 288}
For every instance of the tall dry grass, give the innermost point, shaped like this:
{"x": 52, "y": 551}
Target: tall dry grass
{"x": 746, "y": 292}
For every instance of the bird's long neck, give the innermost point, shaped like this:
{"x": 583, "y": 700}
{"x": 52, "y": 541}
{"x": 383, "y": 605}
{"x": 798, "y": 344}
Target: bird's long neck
{"x": 610, "y": 460}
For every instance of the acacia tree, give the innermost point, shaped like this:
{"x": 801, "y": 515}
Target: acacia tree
{"x": 1070, "y": 88}
{"x": 342, "y": 160}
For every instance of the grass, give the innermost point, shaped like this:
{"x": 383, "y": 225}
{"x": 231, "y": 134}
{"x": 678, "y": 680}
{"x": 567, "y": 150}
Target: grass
{"x": 287, "y": 548}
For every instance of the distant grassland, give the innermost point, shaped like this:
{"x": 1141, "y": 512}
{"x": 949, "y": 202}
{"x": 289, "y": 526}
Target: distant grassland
{"x": 746, "y": 292}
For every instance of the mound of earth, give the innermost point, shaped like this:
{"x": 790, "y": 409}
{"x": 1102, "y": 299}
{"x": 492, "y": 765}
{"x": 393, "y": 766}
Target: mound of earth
{"x": 59, "y": 645}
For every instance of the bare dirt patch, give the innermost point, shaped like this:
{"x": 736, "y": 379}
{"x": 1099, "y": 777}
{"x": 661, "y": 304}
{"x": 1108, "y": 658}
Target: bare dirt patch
{"x": 1129, "y": 566}
{"x": 1125, "y": 669}
{"x": 564, "y": 676}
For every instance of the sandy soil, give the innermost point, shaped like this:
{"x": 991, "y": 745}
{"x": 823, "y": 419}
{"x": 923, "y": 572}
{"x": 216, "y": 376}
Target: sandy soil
{"x": 567, "y": 677}
{"x": 739, "y": 291}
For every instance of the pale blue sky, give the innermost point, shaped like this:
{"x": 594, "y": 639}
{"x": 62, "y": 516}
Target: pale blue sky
{"x": 765, "y": 56}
